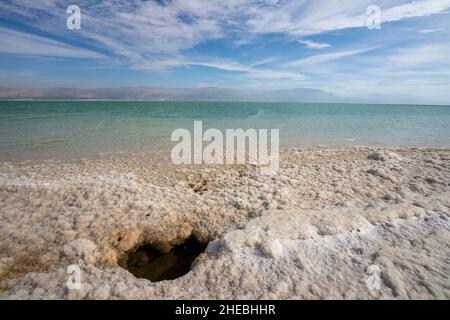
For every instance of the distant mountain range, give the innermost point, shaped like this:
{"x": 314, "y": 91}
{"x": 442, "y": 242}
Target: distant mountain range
{"x": 199, "y": 94}
{"x": 172, "y": 94}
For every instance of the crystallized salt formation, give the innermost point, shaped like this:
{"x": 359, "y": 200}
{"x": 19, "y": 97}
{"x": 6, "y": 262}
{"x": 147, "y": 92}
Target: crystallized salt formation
{"x": 334, "y": 222}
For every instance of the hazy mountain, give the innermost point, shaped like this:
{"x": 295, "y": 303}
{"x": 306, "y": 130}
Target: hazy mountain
{"x": 209, "y": 94}
{"x": 173, "y": 94}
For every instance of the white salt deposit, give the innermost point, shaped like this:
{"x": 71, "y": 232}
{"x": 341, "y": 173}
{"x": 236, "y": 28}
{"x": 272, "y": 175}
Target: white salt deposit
{"x": 348, "y": 222}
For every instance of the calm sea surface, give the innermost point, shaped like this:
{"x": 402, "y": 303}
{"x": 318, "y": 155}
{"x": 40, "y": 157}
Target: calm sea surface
{"x": 79, "y": 129}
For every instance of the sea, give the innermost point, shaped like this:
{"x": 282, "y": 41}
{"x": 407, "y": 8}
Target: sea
{"x": 32, "y": 130}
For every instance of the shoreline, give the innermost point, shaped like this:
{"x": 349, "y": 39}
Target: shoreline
{"x": 310, "y": 232}
{"x": 161, "y": 154}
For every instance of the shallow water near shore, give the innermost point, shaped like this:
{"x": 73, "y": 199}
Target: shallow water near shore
{"x": 91, "y": 129}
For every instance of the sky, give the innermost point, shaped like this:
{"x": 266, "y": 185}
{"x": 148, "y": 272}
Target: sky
{"x": 267, "y": 44}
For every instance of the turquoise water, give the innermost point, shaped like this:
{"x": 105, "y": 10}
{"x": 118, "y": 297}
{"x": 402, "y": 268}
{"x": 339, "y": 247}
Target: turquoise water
{"x": 78, "y": 129}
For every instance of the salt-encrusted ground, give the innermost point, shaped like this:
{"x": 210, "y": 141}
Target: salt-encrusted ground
{"x": 335, "y": 222}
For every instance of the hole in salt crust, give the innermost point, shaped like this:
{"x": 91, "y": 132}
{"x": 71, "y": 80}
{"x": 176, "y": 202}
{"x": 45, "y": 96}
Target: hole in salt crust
{"x": 148, "y": 263}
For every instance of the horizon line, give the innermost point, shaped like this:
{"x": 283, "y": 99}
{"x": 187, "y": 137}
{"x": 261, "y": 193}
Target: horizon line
{"x": 226, "y": 101}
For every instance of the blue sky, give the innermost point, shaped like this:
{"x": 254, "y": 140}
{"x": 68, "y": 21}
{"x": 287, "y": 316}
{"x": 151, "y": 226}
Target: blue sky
{"x": 323, "y": 44}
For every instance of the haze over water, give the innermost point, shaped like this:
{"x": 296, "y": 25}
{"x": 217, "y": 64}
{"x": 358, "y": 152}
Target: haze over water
{"x": 87, "y": 129}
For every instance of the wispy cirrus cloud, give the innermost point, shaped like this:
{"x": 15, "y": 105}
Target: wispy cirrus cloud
{"x": 327, "y": 57}
{"x": 230, "y": 66}
{"x": 315, "y": 17}
{"x": 420, "y": 56}
{"x": 249, "y": 41}
{"x": 15, "y": 42}
{"x": 427, "y": 31}
{"x": 314, "y": 45}
{"x": 138, "y": 30}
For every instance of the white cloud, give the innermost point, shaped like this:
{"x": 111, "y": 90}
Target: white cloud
{"x": 436, "y": 54}
{"x": 138, "y": 29}
{"x": 248, "y": 71}
{"x": 314, "y": 45}
{"x": 417, "y": 8}
{"x": 314, "y": 17}
{"x": 15, "y": 42}
{"x": 421, "y": 70}
{"x": 327, "y": 57}
{"x": 147, "y": 35}
{"x": 427, "y": 31}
